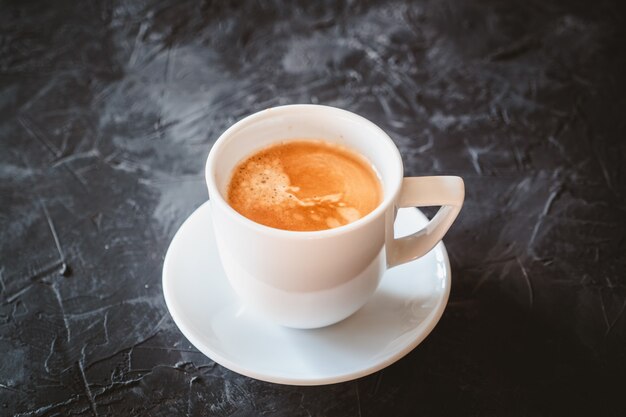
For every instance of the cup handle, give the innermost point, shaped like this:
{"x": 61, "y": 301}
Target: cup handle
{"x": 445, "y": 191}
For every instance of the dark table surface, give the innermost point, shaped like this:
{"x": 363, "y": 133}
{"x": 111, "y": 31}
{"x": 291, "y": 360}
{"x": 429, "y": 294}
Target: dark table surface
{"x": 108, "y": 110}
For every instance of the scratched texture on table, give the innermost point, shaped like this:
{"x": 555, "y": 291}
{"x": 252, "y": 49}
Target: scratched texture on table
{"x": 107, "y": 112}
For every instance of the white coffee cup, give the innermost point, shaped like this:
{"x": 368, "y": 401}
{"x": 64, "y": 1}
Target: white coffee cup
{"x": 314, "y": 279}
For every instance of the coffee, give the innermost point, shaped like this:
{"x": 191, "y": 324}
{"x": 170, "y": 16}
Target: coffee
{"x": 304, "y": 185}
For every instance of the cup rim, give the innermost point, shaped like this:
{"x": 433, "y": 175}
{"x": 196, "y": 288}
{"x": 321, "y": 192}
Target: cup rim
{"x": 216, "y": 197}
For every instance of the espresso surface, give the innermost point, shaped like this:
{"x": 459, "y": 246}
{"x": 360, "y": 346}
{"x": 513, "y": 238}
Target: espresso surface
{"x": 304, "y": 186}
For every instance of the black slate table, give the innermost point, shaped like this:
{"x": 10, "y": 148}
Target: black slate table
{"x": 108, "y": 110}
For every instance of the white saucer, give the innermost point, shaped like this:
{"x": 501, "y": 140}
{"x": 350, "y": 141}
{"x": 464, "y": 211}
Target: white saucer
{"x": 405, "y": 308}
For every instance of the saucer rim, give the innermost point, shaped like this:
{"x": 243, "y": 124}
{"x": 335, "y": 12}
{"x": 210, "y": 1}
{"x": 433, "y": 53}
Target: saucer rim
{"x": 429, "y": 324}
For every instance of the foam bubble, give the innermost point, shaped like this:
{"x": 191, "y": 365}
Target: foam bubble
{"x": 268, "y": 184}
{"x": 332, "y": 222}
{"x": 350, "y": 214}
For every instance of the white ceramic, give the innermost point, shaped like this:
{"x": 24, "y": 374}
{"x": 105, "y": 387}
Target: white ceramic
{"x": 400, "y": 314}
{"x": 313, "y": 279}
